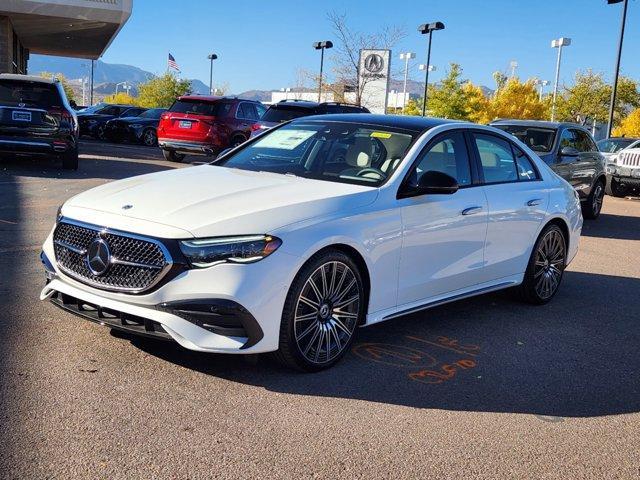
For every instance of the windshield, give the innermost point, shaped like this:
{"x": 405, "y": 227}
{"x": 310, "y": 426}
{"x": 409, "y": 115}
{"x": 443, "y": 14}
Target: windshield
{"x": 335, "y": 152}
{"x": 614, "y": 145}
{"x": 152, "y": 113}
{"x": 536, "y": 138}
{"x": 199, "y": 107}
{"x": 283, "y": 114}
{"x": 20, "y": 93}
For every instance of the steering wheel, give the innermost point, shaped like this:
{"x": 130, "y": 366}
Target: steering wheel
{"x": 364, "y": 171}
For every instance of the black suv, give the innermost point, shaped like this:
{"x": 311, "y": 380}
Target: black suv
{"x": 36, "y": 119}
{"x": 93, "y": 119}
{"x": 286, "y": 110}
{"x": 570, "y": 151}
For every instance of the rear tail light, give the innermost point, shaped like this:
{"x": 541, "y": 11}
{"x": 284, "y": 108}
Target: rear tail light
{"x": 258, "y": 126}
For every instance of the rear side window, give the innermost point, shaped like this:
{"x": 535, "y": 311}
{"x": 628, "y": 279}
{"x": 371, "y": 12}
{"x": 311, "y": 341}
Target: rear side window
{"x": 198, "y": 107}
{"x": 526, "y": 170}
{"x": 496, "y": 157}
{"x": 283, "y": 114}
{"x": 247, "y": 111}
{"x": 13, "y": 93}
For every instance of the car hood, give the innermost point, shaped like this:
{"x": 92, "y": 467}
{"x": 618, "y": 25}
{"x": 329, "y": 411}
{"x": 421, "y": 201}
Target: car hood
{"x": 212, "y": 201}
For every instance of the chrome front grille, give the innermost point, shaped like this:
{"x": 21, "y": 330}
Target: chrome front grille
{"x": 135, "y": 263}
{"x": 630, "y": 159}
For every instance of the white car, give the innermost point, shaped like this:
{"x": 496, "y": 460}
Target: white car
{"x": 295, "y": 238}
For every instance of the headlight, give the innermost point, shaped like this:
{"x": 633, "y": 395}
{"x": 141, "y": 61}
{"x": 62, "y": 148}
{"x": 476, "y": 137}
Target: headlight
{"x": 91, "y": 122}
{"x": 635, "y": 173}
{"x": 59, "y": 213}
{"x": 135, "y": 125}
{"x": 206, "y": 252}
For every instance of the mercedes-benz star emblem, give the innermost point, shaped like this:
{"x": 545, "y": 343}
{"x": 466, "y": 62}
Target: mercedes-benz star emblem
{"x": 374, "y": 63}
{"x": 98, "y": 257}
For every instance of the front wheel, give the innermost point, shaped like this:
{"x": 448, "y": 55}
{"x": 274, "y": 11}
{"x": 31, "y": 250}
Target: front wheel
{"x": 616, "y": 189}
{"x": 237, "y": 140}
{"x": 172, "y": 156}
{"x": 545, "y": 268}
{"x": 323, "y": 307}
{"x": 593, "y": 205}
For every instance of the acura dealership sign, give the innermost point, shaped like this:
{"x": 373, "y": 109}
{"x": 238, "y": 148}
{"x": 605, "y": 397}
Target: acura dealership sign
{"x": 374, "y": 70}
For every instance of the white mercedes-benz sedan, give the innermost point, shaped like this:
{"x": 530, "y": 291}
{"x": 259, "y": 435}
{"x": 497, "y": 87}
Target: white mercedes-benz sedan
{"x": 292, "y": 240}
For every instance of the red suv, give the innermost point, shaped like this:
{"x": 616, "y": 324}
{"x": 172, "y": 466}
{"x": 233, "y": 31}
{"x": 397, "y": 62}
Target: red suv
{"x": 198, "y": 125}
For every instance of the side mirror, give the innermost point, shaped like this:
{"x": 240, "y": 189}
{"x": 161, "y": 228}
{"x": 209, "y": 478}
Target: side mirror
{"x": 569, "y": 152}
{"x": 431, "y": 182}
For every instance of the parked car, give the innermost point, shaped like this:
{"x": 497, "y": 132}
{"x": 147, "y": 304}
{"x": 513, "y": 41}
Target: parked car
{"x": 93, "y": 120}
{"x": 200, "y": 125}
{"x": 36, "y": 119}
{"x": 283, "y": 245}
{"x": 570, "y": 150}
{"x": 286, "y": 110}
{"x": 137, "y": 129}
{"x": 623, "y": 172}
{"x": 609, "y": 147}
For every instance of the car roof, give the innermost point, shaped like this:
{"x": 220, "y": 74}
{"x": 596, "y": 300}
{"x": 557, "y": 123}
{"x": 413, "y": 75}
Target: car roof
{"x": 536, "y": 123}
{"x": 27, "y": 78}
{"x": 631, "y": 139}
{"x": 406, "y": 122}
{"x": 213, "y": 98}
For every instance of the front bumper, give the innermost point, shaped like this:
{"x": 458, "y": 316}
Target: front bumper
{"x": 227, "y": 308}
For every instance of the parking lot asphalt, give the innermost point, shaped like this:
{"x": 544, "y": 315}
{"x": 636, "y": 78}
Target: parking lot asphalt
{"x": 482, "y": 388}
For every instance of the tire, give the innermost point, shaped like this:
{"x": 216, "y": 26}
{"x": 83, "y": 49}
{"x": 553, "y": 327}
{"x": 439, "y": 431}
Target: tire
{"x": 544, "y": 275}
{"x": 172, "y": 156}
{"x": 237, "y": 140}
{"x": 592, "y": 207}
{"x": 149, "y": 138}
{"x": 615, "y": 189}
{"x": 326, "y": 302}
{"x": 70, "y": 160}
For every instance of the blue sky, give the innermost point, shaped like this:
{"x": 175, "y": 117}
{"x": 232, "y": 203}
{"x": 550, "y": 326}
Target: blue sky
{"x": 262, "y": 44}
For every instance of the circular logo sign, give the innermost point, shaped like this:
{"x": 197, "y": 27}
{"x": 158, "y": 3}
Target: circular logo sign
{"x": 98, "y": 257}
{"x": 374, "y": 63}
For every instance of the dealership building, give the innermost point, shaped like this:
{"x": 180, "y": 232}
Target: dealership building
{"x": 68, "y": 28}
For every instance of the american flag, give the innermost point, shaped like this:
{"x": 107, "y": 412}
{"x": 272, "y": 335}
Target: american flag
{"x": 171, "y": 63}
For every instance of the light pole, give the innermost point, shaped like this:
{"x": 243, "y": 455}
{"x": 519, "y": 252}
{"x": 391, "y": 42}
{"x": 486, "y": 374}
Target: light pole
{"x": 211, "y": 58}
{"x": 321, "y": 46}
{"x": 406, "y": 57}
{"x": 559, "y": 43}
{"x": 513, "y": 65}
{"x": 615, "y": 75}
{"x": 91, "y": 91}
{"x": 424, "y": 29}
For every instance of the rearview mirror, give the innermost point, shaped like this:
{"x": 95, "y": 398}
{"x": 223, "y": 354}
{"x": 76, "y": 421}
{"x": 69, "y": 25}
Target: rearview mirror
{"x": 569, "y": 152}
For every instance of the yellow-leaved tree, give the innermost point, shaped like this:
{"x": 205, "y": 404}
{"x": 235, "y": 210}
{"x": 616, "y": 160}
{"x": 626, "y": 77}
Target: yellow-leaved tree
{"x": 518, "y": 100}
{"x": 477, "y": 105}
{"x": 121, "y": 98}
{"x": 162, "y": 91}
{"x": 630, "y": 126}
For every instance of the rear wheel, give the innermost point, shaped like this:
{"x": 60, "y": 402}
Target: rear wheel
{"x": 593, "y": 205}
{"x": 173, "y": 156}
{"x": 545, "y": 268}
{"x": 616, "y": 189}
{"x": 237, "y": 140}
{"x": 324, "y": 305}
{"x": 70, "y": 160}
{"x": 149, "y": 137}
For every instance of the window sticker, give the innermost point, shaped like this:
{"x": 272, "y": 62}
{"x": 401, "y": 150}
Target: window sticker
{"x": 285, "y": 139}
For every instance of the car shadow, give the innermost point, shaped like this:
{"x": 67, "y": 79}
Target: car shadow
{"x": 613, "y": 226}
{"x": 575, "y": 357}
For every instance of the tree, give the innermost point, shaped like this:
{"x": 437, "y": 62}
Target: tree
{"x": 630, "y": 126}
{"x": 517, "y": 100}
{"x": 477, "y": 104}
{"x": 346, "y": 53}
{"x": 65, "y": 84}
{"x": 121, "y": 98}
{"x": 500, "y": 78}
{"x": 162, "y": 91}
{"x": 589, "y": 97}
{"x": 448, "y": 99}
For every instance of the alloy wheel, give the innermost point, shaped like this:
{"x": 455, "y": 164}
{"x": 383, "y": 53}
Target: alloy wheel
{"x": 149, "y": 138}
{"x": 549, "y": 264}
{"x": 326, "y": 312}
{"x": 598, "y": 197}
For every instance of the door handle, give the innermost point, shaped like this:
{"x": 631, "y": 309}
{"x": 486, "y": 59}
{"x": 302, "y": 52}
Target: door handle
{"x": 535, "y": 202}
{"x": 471, "y": 210}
